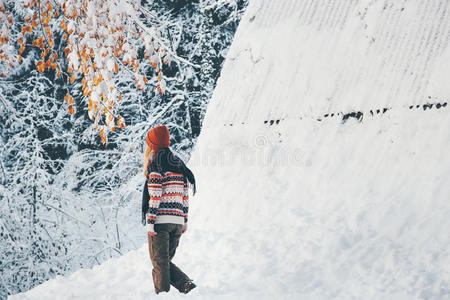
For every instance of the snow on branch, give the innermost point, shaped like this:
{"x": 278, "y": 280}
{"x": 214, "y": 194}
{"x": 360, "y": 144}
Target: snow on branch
{"x": 101, "y": 39}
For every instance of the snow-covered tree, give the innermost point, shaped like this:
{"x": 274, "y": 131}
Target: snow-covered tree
{"x": 34, "y": 242}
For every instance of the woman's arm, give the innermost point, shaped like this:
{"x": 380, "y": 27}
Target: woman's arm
{"x": 185, "y": 205}
{"x": 154, "y": 185}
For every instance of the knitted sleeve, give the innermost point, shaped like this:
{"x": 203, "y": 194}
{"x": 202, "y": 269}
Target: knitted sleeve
{"x": 185, "y": 202}
{"x": 154, "y": 185}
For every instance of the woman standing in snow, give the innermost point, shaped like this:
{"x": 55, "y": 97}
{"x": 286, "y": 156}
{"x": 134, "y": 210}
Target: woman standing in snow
{"x": 165, "y": 204}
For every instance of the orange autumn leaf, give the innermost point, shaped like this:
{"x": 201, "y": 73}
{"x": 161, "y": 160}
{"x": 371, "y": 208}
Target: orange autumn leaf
{"x": 103, "y": 136}
{"x": 40, "y": 66}
{"x": 45, "y": 53}
{"x": 27, "y": 29}
{"x": 120, "y": 122}
{"x": 63, "y": 25}
{"x": 38, "y": 41}
{"x": 98, "y": 80}
{"x": 46, "y": 21}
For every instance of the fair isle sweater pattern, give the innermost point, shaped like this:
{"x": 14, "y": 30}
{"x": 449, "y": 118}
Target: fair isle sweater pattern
{"x": 169, "y": 199}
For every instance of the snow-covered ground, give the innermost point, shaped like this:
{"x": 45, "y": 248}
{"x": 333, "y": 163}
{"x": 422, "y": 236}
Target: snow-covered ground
{"x": 295, "y": 205}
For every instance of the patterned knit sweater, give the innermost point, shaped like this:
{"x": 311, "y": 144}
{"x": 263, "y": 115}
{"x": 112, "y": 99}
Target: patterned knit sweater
{"x": 169, "y": 198}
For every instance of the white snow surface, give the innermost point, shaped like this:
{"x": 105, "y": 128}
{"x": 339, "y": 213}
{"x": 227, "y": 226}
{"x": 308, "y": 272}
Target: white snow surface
{"x": 309, "y": 209}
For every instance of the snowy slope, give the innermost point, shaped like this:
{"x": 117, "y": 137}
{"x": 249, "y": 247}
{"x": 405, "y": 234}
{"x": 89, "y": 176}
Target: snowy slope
{"x": 294, "y": 204}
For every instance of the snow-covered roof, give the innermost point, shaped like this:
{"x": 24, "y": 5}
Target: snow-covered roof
{"x": 295, "y": 58}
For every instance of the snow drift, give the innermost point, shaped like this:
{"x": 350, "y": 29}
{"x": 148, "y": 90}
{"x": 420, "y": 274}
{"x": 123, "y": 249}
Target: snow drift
{"x": 322, "y": 166}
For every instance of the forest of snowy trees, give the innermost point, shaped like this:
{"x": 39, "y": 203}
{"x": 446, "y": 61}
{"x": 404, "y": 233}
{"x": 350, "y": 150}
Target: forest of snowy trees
{"x": 67, "y": 200}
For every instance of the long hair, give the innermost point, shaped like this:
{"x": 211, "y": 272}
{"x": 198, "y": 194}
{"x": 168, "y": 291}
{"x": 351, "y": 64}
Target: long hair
{"x": 149, "y": 154}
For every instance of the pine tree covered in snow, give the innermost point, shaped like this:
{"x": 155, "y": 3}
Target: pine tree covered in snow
{"x": 66, "y": 200}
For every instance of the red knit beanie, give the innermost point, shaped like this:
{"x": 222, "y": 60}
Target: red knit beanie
{"x": 158, "y": 138}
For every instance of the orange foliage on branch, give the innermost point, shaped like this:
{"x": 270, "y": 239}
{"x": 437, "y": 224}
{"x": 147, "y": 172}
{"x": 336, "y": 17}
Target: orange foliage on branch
{"x": 102, "y": 37}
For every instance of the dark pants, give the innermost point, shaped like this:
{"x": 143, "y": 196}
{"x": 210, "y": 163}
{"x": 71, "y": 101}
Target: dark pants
{"x": 162, "y": 248}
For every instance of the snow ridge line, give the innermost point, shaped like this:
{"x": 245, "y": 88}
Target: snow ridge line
{"x": 359, "y": 115}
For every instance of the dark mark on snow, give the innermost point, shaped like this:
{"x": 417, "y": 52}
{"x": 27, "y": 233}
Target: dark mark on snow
{"x": 355, "y": 114}
{"x": 359, "y": 115}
